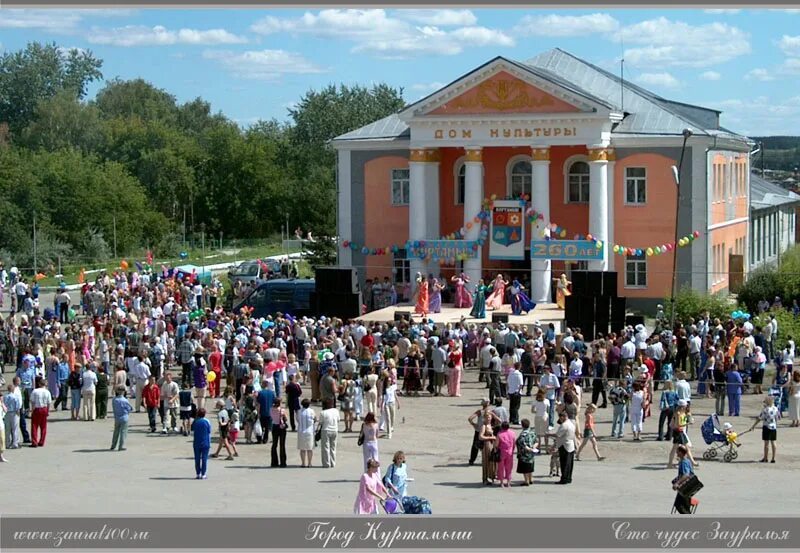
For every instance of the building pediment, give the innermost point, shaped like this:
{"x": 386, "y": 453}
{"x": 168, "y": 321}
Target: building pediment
{"x": 501, "y": 88}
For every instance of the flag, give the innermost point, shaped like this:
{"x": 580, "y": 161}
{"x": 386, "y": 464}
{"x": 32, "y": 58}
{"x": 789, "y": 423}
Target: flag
{"x": 139, "y": 266}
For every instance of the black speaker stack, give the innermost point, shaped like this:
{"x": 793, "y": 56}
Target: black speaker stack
{"x": 594, "y": 306}
{"x": 500, "y": 318}
{"x": 336, "y": 292}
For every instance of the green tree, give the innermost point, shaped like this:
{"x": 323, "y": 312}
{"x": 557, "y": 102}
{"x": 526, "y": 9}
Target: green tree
{"x": 136, "y": 98}
{"x": 64, "y": 122}
{"x": 39, "y": 72}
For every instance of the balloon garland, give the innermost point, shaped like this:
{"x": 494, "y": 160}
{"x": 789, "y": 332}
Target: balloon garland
{"x": 549, "y": 231}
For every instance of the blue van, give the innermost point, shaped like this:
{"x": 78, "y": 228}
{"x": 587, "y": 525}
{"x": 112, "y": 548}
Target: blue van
{"x": 285, "y": 295}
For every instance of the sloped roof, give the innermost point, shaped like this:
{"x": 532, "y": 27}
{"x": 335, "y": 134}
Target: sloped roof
{"x": 765, "y": 194}
{"x": 646, "y": 112}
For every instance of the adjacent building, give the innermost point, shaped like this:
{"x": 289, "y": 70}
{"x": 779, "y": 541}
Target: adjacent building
{"x": 773, "y": 221}
{"x": 595, "y": 154}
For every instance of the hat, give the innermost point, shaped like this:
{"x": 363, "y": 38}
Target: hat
{"x": 488, "y": 340}
{"x": 727, "y": 426}
{"x": 502, "y": 326}
{"x": 328, "y": 356}
{"x": 642, "y": 368}
{"x": 682, "y": 403}
{"x": 639, "y": 327}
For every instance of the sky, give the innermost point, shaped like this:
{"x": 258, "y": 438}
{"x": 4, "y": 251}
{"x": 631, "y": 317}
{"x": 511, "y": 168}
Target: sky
{"x": 256, "y": 64}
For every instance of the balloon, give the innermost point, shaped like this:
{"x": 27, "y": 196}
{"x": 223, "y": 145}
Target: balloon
{"x": 346, "y": 243}
{"x": 124, "y": 265}
{"x": 696, "y": 234}
{"x": 563, "y": 233}
{"x": 649, "y": 251}
{"x": 184, "y": 255}
{"x": 494, "y": 196}
{"x": 598, "y": 244}
{"x": 212, "y": 376}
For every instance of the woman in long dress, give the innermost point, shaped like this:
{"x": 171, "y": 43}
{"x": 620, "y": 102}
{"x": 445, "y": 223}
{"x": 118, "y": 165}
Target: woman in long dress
{"x": 495, "y": 299}
{"x": 487, "y": 440}
{"x": 479, "y": 301}
{"x": 422, "y": 295}
{"x": 520, "y": 302}
{"x": 463, "y": 297}
{"x": 435, "y": 301}
{"x": 562, "y": 290}
{"x": 371, "y": 491}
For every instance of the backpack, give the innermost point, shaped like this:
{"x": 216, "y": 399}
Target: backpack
{"x": 413, "y": 505}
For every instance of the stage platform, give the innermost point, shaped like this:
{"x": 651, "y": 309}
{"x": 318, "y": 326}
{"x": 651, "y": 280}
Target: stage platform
{"x": 544, "y": 313}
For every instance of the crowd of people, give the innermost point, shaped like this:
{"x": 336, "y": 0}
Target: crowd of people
{"x": 171, "y": 347}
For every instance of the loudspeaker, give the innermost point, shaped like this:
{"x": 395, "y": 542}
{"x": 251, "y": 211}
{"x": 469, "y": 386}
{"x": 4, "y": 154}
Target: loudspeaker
{"x": 338, "y": 280}
{"x": 344, "y": 306}
{"x": 573, "y": 308}
{"x": 402, "y": 316}
{"x": 610, "y": 284}
{"x": 618, "y": 307}
{"x": 578, "y": 279}
{"x": 500, "y": 318}
{"x": 594, "y": 284}
{"x": 313, "y": 302}
{"x": 633, "y": 320}
{"x": 602, "y": 315}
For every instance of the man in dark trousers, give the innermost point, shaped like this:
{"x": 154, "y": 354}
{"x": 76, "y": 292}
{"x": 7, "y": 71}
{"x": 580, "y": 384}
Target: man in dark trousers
{"x": 565, "y": 440}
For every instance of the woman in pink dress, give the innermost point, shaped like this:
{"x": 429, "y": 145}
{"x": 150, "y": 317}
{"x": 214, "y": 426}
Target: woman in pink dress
{"x": 463, "y": 297}
{"x": 495, "y": 299}
{"x": 422, "y": 295}
{"x": 371, "y": 490}
{"x": 506, "y": 441}
{"x": 454, "y": 376}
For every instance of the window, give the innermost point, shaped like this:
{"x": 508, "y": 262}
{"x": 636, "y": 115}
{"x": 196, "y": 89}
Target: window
{"x": 578, "y": 182}
{"x": 461, "y": 183}
{"x": 520, "y": 179}
{"x": 635, "y": 185}
{"x": 402, "y": 267}
{"x": 400, "y": 191}
{"x": 636, "y": 271}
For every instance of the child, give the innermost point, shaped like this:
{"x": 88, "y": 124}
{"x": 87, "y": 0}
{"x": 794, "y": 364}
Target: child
{"x": 730, "y": 434}
{"x": 186, "y": 404}
{"x": 224, "y": 420}
{"x": 588, "y": 433}
{"x": 233, "y": 433}
{"x": 292, "y": 366}
{"x": 306, "y": 366}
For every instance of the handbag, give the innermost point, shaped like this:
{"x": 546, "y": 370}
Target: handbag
{"x": 690, "y": 486}
{"x": 318, "y": 436}
{"x": 361, "y": 437}
{"x": 495, "y": 455}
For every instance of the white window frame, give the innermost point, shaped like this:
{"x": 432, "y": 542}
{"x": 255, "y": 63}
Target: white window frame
{"x": 393, "y": 180}
{"x": 401, "y": 262}
{"x": 638, "y": 260}
{"x": 458, "y": 167}
{"x": 509, "y": 174}
{"x": 637, "y": 182}
{"x": 567, "y": 166}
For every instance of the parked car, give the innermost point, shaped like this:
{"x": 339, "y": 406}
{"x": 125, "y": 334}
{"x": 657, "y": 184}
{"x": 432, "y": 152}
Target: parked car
{"x": 254, "y": 271}
{"x": 280, "y": 295}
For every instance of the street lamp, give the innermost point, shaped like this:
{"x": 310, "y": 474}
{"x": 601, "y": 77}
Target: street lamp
{"x": 676, "y": 173}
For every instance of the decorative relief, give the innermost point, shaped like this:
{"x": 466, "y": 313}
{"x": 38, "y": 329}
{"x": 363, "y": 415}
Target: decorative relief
{"x": 602, "y": 154}
{"x": 502, "y": 95}
{"x": 540, "y": 154}
{"x": 473, "y": 154}
{"x": 430, "y": 155}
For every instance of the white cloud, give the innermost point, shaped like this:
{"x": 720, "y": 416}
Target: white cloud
{"x": 759, "y": 74}
{"x": 427, "y": 87}
{"x": 790, "y": 66}
{"x": 658, "y": 79}
{"x": 760, "y": 116}
{"x": 790, "y": 45}
{"x": 441, "y": 18}
{"x": 723, "y": 12}
{"x": 710, "y": 76}
{"x": 265, "y": 65}
{"x": 56, "y": 20}
{"x": 139, "y": 35}
{"x": 375, "y": 32}
{"x": 567, "y": 25}
{"x": 662, "y": 42}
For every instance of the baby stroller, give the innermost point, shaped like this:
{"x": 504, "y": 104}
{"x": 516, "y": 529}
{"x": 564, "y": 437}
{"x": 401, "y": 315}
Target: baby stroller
{"x": 718, "y": 439}
{"x": 409, "y": 505}
{"x": 776, "y": 393}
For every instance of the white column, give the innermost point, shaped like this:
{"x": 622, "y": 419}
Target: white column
{"x": 611, "y": 204}
{"x": 432, "y": 213}
{"x": 417, "y": 211}
{"x": 541, "y": 274}
{"x": 344, "y": 215}
{"x": 473, "y": 198}
{"x": 598, "y": 202}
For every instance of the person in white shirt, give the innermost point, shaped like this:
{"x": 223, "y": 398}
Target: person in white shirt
{"x": 88, "y": 392}
{"x": 306, "y": 419}
{"x": 568, "y": 342}
{"x": 40, "y": 403}
{"x": 565, "y": 441}
{"x": 694, "y": 353}
{"x": 627, "y": 352}
{"x": 514, "y": 389}
{"x": 141, "y": 373}
{"x": 170, "y": 394}
{"x": 391, "y": 404}
{"x": 486, "y": 361}
{"x": 329, "y": 431}
{"x": 682, "y": 388}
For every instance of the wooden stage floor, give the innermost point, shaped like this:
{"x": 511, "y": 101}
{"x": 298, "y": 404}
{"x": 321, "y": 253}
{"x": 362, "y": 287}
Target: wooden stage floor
{"x": 544, "y": 313}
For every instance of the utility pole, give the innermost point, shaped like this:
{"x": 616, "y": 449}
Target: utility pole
{"x": 34, "y": 244}
{"x": 203, "y": 242}
{"x": 184, "y": 227}
{"x": 115, "y": 236}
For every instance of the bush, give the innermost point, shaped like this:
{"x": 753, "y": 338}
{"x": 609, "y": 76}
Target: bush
{"x": 95, "y": 248}
{"x": 691, "y": 303}
{"x": 762, "y": 284}
{"x": 788, "y": 325}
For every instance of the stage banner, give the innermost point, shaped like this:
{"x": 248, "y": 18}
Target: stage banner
{"x": 566, "y": 250}
{"x": 507, "y": 232}
{"x": 444, "y": 249}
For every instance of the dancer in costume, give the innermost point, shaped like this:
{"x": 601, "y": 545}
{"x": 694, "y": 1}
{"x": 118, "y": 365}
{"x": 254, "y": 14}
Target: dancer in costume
{"x": 422, "y": 295}
{"x": 495, "y": 299}
{"x": 479, "y": 301}
{"x": 435, "y": 302}
{"x": 520, "y": 302}
{"x": 463, "y": 297}
{"x": 562, "y": 290}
